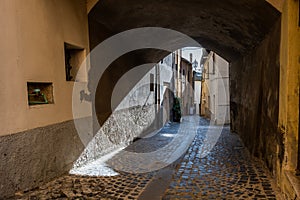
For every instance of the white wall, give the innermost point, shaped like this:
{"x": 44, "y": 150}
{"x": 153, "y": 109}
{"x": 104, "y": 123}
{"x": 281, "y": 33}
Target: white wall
{"x": 197, "y": 96}
{"x": 140, "y": 94}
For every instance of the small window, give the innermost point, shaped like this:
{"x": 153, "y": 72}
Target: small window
{"x": 73, "y": 58}
{"x": 40, "y": 93}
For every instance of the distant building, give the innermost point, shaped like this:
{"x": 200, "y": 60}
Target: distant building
{"x": 186, "y": 82}
{"x": 197, "y": 91}
{"x": 153, "y": 93}
{"x": 198, "y": 77}
{"x": 215, "y": 89}
{"x": 165, "y": 86}
{"x": 182, "y": 84}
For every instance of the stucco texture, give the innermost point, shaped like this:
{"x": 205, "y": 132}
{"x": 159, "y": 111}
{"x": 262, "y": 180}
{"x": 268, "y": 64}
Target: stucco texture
{"x": 254, "y": 89}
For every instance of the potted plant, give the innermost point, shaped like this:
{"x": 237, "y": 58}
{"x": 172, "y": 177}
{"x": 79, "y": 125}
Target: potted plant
{"x": 176, "y": 110}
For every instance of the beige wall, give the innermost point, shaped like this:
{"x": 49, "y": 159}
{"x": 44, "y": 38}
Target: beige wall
{"x": 215, "y": 92}
{"x": 289, "y": 81}
{"x": 288, "y": 120}
{"x": 278, "y": 4}
{"x": 90, "y": 4}
{"x": 33, "y": 33}
{"x": 205, "y": 96}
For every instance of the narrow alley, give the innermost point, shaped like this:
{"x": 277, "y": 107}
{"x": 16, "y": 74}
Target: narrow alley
{"x": 227, "y": 172}
{"x": 149, "y": 100}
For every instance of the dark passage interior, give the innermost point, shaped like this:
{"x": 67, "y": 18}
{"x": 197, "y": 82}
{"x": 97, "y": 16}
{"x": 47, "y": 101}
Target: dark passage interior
{"x": 246, "y": 33}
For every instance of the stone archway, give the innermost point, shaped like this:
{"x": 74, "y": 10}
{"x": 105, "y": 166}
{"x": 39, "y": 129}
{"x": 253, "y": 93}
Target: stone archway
{"x": 246, "y": 33}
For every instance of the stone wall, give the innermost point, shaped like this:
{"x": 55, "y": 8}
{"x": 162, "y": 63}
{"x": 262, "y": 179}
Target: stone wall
{"x": 36, "y": 156}
{"x": 121, "y": 128}
{"x": 254, "y": 89}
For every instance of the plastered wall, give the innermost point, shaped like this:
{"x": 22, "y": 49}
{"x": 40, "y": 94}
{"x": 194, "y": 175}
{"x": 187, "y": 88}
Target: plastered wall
{"x": 33, "y": 34}
{"x": 37, "y": 143}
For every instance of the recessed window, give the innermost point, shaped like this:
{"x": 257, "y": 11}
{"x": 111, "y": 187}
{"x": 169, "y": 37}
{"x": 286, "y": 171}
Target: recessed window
{"x": 40, "y": 93}
{"x": 74, "y": 56}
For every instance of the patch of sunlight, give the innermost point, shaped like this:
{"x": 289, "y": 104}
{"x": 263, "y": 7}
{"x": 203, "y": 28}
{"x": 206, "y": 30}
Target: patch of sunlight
{"x": 97, "y": 167}
{"x": 168, "y": 135}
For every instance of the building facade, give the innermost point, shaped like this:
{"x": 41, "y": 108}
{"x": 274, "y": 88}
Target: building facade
{"x": 197, "y": 91}
{"x": 43, "y": 41}
{"x": 38, "y": 137}
{"x": 187, "y": 87}
{"x": 183, "y": 78}
{"x": 215, "y": 90}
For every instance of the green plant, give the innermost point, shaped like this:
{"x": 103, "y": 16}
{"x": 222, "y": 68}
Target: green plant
{"x": 176, "y": 110}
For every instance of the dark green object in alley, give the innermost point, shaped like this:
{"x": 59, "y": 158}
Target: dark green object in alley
{"x": 176, "y": 110}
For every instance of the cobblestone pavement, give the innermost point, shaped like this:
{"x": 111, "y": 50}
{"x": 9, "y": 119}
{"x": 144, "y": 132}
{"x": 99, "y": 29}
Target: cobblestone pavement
{"x": 227, "y": 172}
{"x": 123, "y": 186}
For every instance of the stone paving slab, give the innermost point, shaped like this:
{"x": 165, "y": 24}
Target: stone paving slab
{"x": 227, "y": 172}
